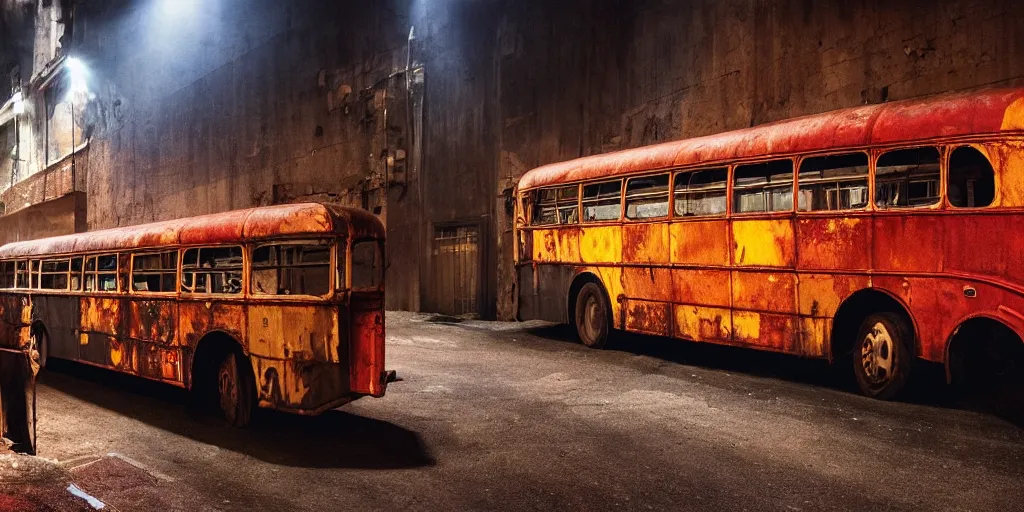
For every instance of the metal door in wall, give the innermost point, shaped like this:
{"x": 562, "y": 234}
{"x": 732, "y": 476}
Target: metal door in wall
{"x": 456, "y": 272}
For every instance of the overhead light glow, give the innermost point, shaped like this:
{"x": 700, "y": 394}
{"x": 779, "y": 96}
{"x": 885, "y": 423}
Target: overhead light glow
{"x": 77, "y": 74}
{"x": 19, "y": 103}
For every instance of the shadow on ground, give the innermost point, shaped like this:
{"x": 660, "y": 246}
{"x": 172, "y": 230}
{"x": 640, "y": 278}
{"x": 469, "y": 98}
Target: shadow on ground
{"x": 335, "y": 439}
{"x": 1005, "y": 401}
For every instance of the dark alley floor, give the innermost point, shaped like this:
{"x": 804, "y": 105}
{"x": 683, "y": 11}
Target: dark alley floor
{"x": 498, "y": 416}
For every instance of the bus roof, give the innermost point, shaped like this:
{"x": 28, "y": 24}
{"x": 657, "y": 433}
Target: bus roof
{"x": 985, "y": 111}
{"x": 307, "y": 219}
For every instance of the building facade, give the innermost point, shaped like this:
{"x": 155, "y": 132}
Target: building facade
{"x": 116, "y": 112}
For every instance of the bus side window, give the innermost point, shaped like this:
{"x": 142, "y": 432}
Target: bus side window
{"x": 557, "y": 206}
{"x": 647, "y": 197}
{"x": 763, "y": 187}
{"x": 155, "y": 272}
{"x": 21, "y": 274}
{"x": 34, "y": 274}
{"x": 292, "y": 269}
{"x": 972, "y": 181}
{"x": 7, "y": 274}
{"x": 212, "y": 270}
{"x": 54, "y": 274}
{"x": 367, "y": 265}
{"x": 907, "y": 178}
{"x": 701, "y": 193}
{"x": 101, "y": 273}
{"x": 602, "y": 201}
{"x": 76, "y": 274}
{"x": 834, "y": 182}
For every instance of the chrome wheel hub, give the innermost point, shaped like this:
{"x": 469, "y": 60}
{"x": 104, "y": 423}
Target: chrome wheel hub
{"x": 877, "y": 355}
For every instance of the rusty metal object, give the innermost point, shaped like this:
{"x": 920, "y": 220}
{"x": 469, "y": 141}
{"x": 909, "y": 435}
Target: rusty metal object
{"x": 308, "y": 353}
{"x": 777, "y": 280}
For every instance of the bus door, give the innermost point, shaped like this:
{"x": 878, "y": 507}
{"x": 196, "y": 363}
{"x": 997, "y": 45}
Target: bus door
{"x": 152, "y": 317}
{"x": 59, "y": 313}
{"x": 366, "y": 317}
{"x": 99, "y": 333}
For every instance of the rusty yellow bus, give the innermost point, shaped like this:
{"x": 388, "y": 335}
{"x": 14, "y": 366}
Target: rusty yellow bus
{"x": 280, "y": 306}
{"x": 878, "y": 234}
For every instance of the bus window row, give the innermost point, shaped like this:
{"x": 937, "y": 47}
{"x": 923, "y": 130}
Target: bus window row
{"x": 285, "y": 268}
{"x": 904, "y": 178}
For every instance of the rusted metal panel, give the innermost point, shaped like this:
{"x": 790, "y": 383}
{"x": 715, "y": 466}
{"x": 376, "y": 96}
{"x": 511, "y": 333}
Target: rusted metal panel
{"x": 770, "y": 331}
{"x": 820, "y": 295}
{"x": 763, "y": 242}
{"x": 646, "y": 243}
{"x": 649, "y": 317}
{"x": 773, "y": 292}
{"x": 600, "y": 244}
{"x": 366, "y": 346}
{"x": 834, "y": 243}
{"x": 702, "y": 287}
{"x": 307, "y": 332}
{"x": 648, "y": 283}
{"x": 700, "y": 242}
{"x": 979, "y": 112}
{"x": 701, "y": 323}
{"x": 908, "y": 242}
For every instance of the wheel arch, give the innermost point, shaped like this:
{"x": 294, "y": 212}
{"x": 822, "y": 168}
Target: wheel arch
{"x": 210, "y": 347}
{"x": 972, "y": 324}
{"x": 578, "y": 282}
{"x": 856, "y": 307}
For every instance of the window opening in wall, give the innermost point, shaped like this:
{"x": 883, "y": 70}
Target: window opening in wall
{"x": 763, "y": 187}
{"x": 835, "y": 182}
{"x": 212, "y": 270}
{"x": 907, "y": 178}
{"x": 701, "y": 193}
{"x": 647, "y": 197}
{"x": 602, "y": 201}
{"x": 292, "y": 269}
{"x": 972, "y": 181}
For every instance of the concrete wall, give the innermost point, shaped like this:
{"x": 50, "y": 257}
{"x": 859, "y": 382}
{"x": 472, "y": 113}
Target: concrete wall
{"x": 204, "y": 106}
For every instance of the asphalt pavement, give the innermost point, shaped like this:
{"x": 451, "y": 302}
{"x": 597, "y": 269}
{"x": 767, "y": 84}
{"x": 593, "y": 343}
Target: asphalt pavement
{"x": 508, "y": 416}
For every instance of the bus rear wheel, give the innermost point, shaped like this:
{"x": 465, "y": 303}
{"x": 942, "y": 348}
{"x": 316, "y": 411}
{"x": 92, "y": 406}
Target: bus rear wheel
{"x": 235, "y": 389}
{"x": 881, "y": 357}
{"x": 593, "y": 316}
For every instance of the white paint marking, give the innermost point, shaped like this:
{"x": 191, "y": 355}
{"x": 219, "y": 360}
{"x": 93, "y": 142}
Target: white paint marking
{"x": 156, "y": 474}
{"x": 93, "y": 502}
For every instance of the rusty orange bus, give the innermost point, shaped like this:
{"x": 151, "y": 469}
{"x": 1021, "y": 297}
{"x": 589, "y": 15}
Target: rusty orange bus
{"x": 877, "y": 234}
{"x": 280, "y": 306}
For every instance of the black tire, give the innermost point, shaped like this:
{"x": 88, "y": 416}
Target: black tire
{"x": 882, "y": 357}
{"x": 39, "y": 347}
{"x": 593, "y": 315}
{"x": 235, "y": 389}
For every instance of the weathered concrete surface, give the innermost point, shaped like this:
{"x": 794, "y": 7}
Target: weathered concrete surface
{"x": 489, "y": 416}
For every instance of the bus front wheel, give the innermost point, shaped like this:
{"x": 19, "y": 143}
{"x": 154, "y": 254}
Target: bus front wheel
{"x": 592, "y": 316}
{"x": 881, "y": 357}
{"x": 235, "y": 389}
